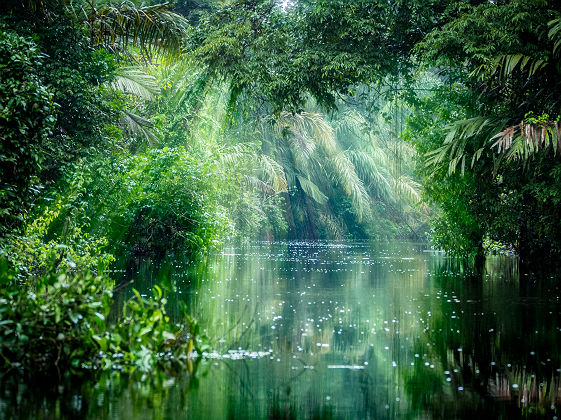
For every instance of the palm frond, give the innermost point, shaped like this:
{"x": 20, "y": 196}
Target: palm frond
{"x": 236, "y": 154}
{"x": 406, "y": 186}
{"x": 256, "y": 184}
{"x": 351, "y": 122}
{"x": 270, "y": 178}
{"x": 311, "y": 189}
{"x": 368, "y": 170}
{"x": 346, "y": 176}
{"x": 522, "y": 140}
{"x": 505, "y": 65}
{"x": 134, "y": 81}
{"x": 310, "y": 125}
{"x": 273, "y": 173}
{"x": 461, "y": 134}
{"x": 154, "y": 29}
{"x": 135, "y": 126}
{"x": 182, "y": 91}
{"x": 301, "y": 147}
{"x": 555, "y": 34}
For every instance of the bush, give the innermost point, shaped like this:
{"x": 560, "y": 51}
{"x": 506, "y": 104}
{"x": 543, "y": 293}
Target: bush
{"x": 38, "y": 248}
{"x": 50, "y": 322}
{"x": 59, "y": 321}
{"x": 26, "y": 119}
{"x": 156, "y": 204}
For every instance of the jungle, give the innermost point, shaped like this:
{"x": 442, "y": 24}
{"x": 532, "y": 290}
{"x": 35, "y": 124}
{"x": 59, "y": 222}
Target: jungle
{"x": 299, "y": 208}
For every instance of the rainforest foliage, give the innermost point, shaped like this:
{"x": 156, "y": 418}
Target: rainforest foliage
{"x": 135, "y": 129}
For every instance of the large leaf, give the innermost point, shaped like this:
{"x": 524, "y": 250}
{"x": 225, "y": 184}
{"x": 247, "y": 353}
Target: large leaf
{"x": 523, "y": 140}
{"x": 555, "y": 34}
{"x": 505, "y": 65}
{"x": 136, "y": 126}
{"x": 312, "y": 190}
{"x": 463, "y": 141}
{"x": 154, "y": 29}
{"x": 134, "y": 81}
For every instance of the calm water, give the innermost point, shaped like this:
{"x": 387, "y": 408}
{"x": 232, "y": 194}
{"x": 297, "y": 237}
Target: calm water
{"x": 343, "y": 331}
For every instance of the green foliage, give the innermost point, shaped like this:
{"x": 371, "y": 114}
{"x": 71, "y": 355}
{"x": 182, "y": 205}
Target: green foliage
{"x": 134, "y": 81}
{"x": 317, "y": 48}
{"x": 510, "y": 196}
{"x": 39, "y": 247}
{"x": 331, "y": 171}
{"x": 60, "y": 321}
{"x": 159, "y": 203}
{"x": 56, "y": 108}
{"x": 144, "y": 337}
{"x": 67, "y": 68}
{"x": 234, "y": 138}
{"x": 76, "y": 74}
{"x": 455, "y": 226}
{"x": 154, "y": 29}
{"x": 114, "y": 25}
{"x": 190, "y": 112}
{"x": 26, "y": 120}
{"x": 50, "y": 322}
{"x": 55, "y": 298}
{"x": 478, "y": 33}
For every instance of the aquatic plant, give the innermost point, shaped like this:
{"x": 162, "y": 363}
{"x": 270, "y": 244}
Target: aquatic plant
{"x": 59, "y": 321}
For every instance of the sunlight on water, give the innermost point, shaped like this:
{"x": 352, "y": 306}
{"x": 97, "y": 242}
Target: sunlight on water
{"x": 355, "y": 330}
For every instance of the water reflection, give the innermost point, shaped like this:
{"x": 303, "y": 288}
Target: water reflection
{"x": 496, "y": 341}
{"x": 341, "y": 330}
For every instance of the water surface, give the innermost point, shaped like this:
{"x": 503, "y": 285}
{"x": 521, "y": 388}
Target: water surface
{"x": 340, "y": 330}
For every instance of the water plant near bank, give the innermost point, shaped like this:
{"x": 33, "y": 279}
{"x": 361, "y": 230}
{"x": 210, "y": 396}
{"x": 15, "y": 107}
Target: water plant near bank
{"x": 61, "y": 321}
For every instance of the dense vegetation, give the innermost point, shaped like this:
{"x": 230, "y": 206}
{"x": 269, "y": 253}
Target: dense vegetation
{"x": 131, "y": 130}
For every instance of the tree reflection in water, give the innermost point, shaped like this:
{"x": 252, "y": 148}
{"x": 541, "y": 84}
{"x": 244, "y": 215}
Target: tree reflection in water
{"x": 494, "y": 341}
{"x": 336, "y": 330}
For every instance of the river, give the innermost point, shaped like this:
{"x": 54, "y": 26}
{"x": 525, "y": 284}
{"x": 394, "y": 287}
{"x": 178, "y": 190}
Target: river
{"x": 338, "y": 330}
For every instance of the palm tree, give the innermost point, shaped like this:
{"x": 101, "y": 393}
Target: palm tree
{"x": 322, "y": 166}
{"x": 343, "y": 164}
{"x": 116, "y": 25}
{"x": 513, "y": 141}
{"x": 151, "y": 31}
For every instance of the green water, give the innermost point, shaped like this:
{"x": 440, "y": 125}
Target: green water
{"x": 338, "y": 330}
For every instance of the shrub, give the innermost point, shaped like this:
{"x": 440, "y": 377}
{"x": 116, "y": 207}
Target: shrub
{"x": 160, "y": 203}
{"x": 59, "y": 321}
{"x": 26, "y": 119}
